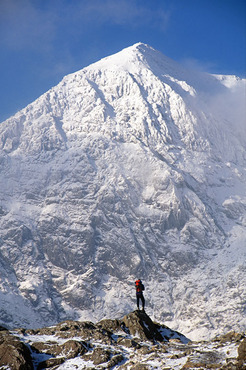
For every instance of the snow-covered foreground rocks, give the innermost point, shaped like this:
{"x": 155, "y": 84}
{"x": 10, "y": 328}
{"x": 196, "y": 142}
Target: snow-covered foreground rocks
{"x": 130, "y": 168}
{"x": 132, "y": 342}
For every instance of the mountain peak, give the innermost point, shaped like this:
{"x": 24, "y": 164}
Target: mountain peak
{"x": 139, "y": 48}
{"x": 141, "y": 57}
{"x": 134, "y": 57}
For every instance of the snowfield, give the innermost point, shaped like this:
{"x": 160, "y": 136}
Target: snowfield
{"x": 132, "y": 167}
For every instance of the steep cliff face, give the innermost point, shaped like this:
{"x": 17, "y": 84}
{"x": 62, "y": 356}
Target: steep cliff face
{"x": 127, "y": 168}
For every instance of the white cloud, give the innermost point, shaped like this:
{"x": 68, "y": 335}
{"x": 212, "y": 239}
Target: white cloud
{"x": 231, "y": 104}
{"x": 198, "y": 65}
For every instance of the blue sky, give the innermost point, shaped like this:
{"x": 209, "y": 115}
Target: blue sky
{"x": 43, "y": 40}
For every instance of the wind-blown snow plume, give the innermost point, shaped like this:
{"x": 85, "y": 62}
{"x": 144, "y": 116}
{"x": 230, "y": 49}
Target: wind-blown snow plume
{"x": 125, "y": 169}
{"x": 231, "y": 104}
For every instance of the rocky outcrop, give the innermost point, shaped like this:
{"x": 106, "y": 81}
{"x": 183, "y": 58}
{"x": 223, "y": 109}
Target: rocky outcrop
{"x": 70, "y": 349}
{"x": 242, "y": 353}
{"x": 14, "y": 354}
{"x": 132, "y": 342}
{"x": 140, "y": 324}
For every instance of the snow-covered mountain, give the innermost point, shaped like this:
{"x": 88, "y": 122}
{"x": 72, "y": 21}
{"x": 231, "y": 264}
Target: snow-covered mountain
{"x": 132, "y": 167}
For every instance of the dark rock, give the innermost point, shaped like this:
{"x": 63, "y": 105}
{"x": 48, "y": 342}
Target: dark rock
{"x": 73, "y": 326}
{"x": 140, "y": 367}
{"x": 41, "y": 347}
{"x": 145, "y": 350}
{"x": 100, "y": 355}
{"x": 231, "y": 364}
{"x": 170, "y": 335}
{"x": 163, "y": 349}
{"x": 69, "y": 349}
{"x": 41, "y": 331}
{"x": 51, "y": 362}
{"x": 178, "y": 355}
{"x": 229, "y": 337}
{"x": 127, "y": 342}
{"x": 242, "y": 351}
{"x": 110, "y": 325}
{"x": 115, "y": 360}
{"x": 86, "y": 330}
{"x": 204, "y": 360}
{"x": 21, "y": 331}
{"x": 175, "y": 340}
{"x": 30, "y": 331}
{"x": 139, "y": 323}
{"x": 64, "y": 329}
{"x": 2, "y": 328}
{"x": 13, "y": 353}
{"x": 72, "y": 348}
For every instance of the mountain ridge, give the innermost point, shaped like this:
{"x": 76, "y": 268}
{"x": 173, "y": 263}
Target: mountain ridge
{"x": 110, "y": 175}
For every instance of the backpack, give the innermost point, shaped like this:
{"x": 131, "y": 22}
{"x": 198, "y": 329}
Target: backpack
{"x": 139, "y": 286}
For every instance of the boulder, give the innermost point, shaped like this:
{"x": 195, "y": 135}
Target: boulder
{"x": 43, "y": 347}
{"x": 100, "y": 355}
{"x": 110, "y": 325}
{"x": 13, "y": 353}
{"x": 242, "y": 351}
{"x": 140, "y": 367}
{"x": 140, "y": 324}
{"x": 146, "y": 350}
{"x": 232, "y": 336}
{"x": 204, "y": 360}
{"x": 51, "y": 362}
{"x": 115, "y": 360}
{"x": 70, "y": 349}
{"x": 85, "y": 330}
{"x": 127, "y": 342}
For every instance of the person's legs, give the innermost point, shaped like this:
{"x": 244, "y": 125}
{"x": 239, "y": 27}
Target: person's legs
{"x": 138, "y": 301}
{"x": 143, "y": 301}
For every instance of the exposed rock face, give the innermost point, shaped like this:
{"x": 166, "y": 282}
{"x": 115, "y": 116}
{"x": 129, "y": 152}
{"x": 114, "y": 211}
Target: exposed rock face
{"x": 133, "y": 342}
{"x": 14, "y": 354}
{"x": 70, "y": 349}
{"x": 242, "y": 352}
{"x": 141, "y": 325}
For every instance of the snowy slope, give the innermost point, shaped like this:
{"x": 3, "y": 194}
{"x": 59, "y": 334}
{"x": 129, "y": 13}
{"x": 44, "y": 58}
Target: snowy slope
{"x": 130, "y": 167}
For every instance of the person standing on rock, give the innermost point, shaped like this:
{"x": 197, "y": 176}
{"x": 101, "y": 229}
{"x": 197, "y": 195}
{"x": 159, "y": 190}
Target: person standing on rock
{"x": 139, "y": 293}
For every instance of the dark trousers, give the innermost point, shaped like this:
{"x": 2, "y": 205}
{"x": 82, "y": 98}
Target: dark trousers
{"x": 140, "y": 296}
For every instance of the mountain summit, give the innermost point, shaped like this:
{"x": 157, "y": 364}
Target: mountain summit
{"x": 131, "y": 167}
